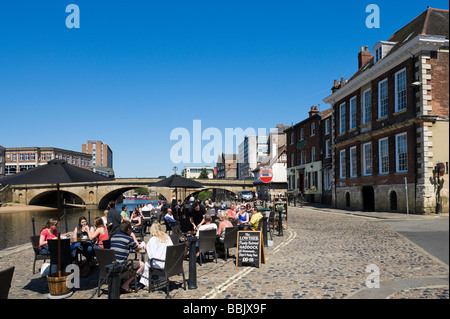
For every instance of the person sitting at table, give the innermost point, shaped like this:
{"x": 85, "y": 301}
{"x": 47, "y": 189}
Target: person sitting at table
{"x": 243, "y": 216}
{"x": 124, "y": 213}
{"x": 206, "y": 225}
{"x": 49, "y": 231}
{"x": 80, "y": 240}
{"x": 255, "y": 219}
{"x": 100, "y": 233}
{"x": 136, "y": 221}
{"x": 105, "y": 217}
{"x": 121, "y": 243}
{"x": 156, "y": 248}
{"x": 170, "y": 220}
{"x": 224, "y": 223}
{"x": 232, "y": 211}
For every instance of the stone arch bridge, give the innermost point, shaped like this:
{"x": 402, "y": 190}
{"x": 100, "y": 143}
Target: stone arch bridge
{"x": 98, "y": 194}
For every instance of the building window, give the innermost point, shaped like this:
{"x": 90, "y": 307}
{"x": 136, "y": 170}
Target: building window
{"x": 367, "y": 106}
{"x": 313, "y": 154}
{"x": 401, "y": 152}
{"x": 327, "y": 126}
{"x": 327, "y": 148}
{"x": 302, "y": 158}
{"x": 367, "y": 154}
{"x": 327, "y": 178}
{"x": 353, "y": 113}
{"x": 292, "y": 139}
{"x": 383, "y": 151}
{"x": 342, "y": 118}
{"x": 342, "y": 164}
{"x": 378, "y": 54}
{"x": 400, "y": 90}
{"x": 313, "y": 129}
{"x": 292, "y": 160}
{"x": 353, "y": 162}
{"x": 383, "y": 98}
{"x": 21, "y": 157}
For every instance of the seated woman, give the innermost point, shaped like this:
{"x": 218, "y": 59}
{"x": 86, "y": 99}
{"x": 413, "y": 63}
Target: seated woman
{"x": 243, "y": 216}
{"x": 224, "y": 223}
{"x": 156, "y": 248}
{"x": 100, "y": 233}
{"x": 136, "y": 221}
{"x": 48, "y": 231}
{"x": 80, "y": 240}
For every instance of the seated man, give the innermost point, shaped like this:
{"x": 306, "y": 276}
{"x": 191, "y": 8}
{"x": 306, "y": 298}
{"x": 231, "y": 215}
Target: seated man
{"x": 120, "y": 243}
{"x": 170, "y": 220}
{"x": 232, "y": 212}
{"x": 255, "y": 219}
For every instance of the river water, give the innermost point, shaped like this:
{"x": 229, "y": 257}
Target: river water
{"x": 17, "y": 228}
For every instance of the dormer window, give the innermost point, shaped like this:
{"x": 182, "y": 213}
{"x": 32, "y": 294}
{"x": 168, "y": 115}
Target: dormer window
{"x": 381, "y": 49}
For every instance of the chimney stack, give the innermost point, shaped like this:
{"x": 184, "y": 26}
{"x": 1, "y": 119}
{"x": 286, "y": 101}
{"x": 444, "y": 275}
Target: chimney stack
{"x": 364, "y": 56}
{"x": 313, "y": 111}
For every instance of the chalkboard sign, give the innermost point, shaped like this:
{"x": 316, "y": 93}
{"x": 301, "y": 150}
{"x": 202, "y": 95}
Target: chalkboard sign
{"x": 250, "y": 249}
{"x": 282, "y": 203}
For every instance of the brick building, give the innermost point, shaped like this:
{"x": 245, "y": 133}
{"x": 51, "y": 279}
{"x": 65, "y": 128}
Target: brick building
{"x": 389, "y": 119}
{"x": 304, "y": 157}
{"x": 102, "y": 157}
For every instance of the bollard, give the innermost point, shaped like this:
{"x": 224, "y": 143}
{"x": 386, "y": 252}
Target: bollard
{"x": 34, "y": 229}
{"x": 192, "y": 281}
{"x": 265, "y": 231}
{"x": 280, "y": 223}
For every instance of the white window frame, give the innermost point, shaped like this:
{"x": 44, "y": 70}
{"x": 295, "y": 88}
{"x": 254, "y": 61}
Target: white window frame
{"x": 353, "y": 162}
{"x": 382, "y": 156}
{"x": 352, "y": 118}
{"x": 327, "y": 148}
{"x": 302, "y": 134}
{"x": 342, "y": 118}
{"x": 327, "y": 126}
{"x": 397, "y": 154}
{"x": 367, "y": 106}
{"x": 313, "y": 154}
{"x": 367, "y": 159}
{"x": 342, "y": 163}
{"x": 401, "y": 107}
{"x": 380, "y": 100}
{"x": 313, "y": 129}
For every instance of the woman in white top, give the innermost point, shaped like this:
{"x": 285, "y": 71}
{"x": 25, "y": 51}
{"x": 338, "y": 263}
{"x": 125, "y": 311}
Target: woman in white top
{"x": 156, "y": 248}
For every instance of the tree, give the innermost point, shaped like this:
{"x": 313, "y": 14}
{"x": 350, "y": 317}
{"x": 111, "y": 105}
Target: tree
{"x": 203, "y": 174}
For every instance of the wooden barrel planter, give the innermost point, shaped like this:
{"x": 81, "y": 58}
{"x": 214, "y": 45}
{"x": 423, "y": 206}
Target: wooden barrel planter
{"x": 57, "y": 285}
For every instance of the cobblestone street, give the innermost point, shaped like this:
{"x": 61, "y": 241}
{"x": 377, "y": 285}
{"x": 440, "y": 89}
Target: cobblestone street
{"x": 322, "y": 255}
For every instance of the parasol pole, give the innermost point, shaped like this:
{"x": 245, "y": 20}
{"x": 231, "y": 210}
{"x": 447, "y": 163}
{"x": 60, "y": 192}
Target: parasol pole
{"x": 58, "y": 201}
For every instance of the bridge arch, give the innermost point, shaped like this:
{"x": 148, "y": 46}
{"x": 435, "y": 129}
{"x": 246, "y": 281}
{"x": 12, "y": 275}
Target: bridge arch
{"x": 51, "y": 197}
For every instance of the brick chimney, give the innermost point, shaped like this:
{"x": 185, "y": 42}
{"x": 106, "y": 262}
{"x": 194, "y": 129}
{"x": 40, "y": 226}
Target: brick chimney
{"x": 364, "y": 56}
{"x": 313, "y": 111}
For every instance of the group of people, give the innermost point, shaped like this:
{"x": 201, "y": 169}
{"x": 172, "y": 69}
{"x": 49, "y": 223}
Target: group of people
{"x": 117, "y": 226}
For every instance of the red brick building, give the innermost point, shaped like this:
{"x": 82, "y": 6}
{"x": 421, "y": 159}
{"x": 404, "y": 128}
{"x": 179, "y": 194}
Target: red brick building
{"x": 390, "y": 121}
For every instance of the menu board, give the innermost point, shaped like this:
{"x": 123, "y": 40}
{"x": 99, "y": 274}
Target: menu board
{"x": 250, "y": 249}
{"x": 281, "y": 202}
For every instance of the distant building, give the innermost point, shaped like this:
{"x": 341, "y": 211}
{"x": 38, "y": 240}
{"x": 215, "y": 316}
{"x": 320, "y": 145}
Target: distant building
{"x": 194, "y": 171}
{"x": 102, "y": 157}
{"x": 227, "y": 166}
{"x": 2, "y": 161}
{"x": 20, "y": 159}
{"x": 251, "y": 152}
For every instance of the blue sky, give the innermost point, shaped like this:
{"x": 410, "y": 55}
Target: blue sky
{"x": 136, "y": 70}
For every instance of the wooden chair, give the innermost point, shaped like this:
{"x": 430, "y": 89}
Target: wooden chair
{"x": 36, "y": 248}
{"x": 207, "y": 243}
{"x": 173, "y": 266}
{"x": 106, "y": 257}
{"x": 6, "y": 276}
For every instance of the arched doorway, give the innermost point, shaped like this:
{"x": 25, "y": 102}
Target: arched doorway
{"x": 368, "y": 195}
{"x": 347, "y": 199}
{"x": 393, "y": 200}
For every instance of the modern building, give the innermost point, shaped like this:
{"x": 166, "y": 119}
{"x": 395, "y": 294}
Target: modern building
{"x": 194, "y": 171}
{"x": 102, "y": 157}
{"x": 391, "y": 121}
{"x": 251, "y": 152}
{"x": 304, "y": 155}
{"x": 19, "y": 159}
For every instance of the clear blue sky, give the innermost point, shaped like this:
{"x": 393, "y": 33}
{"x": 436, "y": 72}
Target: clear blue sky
{"x": 135, "y": 70}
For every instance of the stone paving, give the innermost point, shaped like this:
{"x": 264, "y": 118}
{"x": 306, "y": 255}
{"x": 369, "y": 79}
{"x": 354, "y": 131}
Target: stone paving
{"x": 322, "y": 255}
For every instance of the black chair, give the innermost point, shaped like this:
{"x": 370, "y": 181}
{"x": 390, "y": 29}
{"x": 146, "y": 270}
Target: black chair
{"x": 207, "y": 243}
{"x": 230, "y": 239}
{"x": 173, "y": 266}
{"x": 271, "y": 224}
{"x": 6, "y": 276}
{"x": 175, "y": 238}
{"x": 36, "y": 248}
{"x": 176, "y": 229}
{"x": 168, "y": 227}
{"x": 107, "y": 244}
{"x": 106, "y": 257}
{"x": 139, "y": 232}
{"x": 66, "y": 255}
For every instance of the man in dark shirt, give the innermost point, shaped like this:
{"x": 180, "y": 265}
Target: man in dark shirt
{"x": 196, "y": 214}
{"x": 113, "y": 219}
